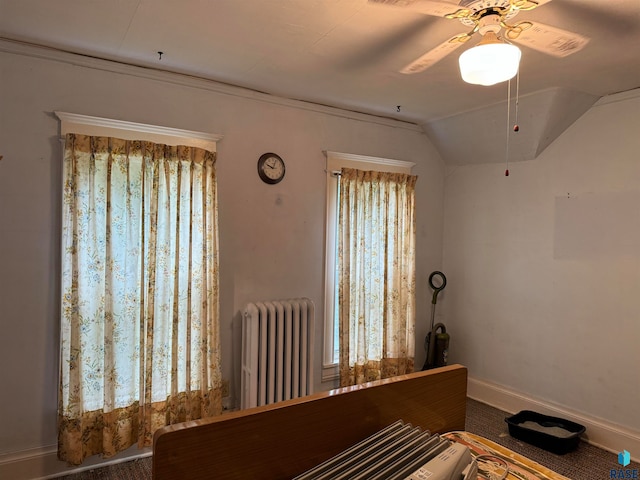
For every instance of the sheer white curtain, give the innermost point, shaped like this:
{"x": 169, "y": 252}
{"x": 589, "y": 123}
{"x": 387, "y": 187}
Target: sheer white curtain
{"x": 376, "y": 275}
{"x": 139, "y": 322}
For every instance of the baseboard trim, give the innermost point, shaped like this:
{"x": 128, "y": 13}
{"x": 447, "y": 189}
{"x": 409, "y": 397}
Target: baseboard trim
{"x": 600, "y": 433}
{"x": 43, "y": 464}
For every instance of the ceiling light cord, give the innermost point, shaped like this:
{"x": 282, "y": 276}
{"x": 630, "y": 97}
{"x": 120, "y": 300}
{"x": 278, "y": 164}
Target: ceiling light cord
{"x": 506, "y": 172}
{"x": 516, "y": 127}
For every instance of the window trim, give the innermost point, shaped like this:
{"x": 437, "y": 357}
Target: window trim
{"x": 107, "y": 127}
{"x": 335, "y": 162}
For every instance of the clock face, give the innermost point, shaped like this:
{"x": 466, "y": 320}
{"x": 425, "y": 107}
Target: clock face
{"x": 271, "y": 168}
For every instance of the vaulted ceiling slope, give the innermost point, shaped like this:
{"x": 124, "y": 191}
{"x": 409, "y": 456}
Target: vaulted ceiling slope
{"x": 349, "y": 53}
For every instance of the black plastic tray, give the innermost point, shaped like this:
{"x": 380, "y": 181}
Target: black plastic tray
{"x": 553, "y": 434}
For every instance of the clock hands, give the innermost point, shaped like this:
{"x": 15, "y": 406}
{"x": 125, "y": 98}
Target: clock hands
{"x": 270, "y": 168}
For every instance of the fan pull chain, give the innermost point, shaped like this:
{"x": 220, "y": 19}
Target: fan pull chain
{"x": 506, "y": 172}
{"x": 516, "y": 127}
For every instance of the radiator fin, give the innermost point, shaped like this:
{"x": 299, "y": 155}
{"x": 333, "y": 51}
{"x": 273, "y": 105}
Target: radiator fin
{"x": 277, "y": 351}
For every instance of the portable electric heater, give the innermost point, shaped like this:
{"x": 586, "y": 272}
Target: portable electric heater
{"x": 399, "y": 452}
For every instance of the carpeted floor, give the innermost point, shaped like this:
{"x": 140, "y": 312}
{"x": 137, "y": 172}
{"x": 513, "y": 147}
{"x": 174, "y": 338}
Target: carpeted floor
{"x": 139, "y": 469}
{"x": 585, "y": 463}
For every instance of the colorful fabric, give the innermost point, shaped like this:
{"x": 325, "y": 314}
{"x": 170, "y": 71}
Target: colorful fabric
{"x": 520, "y": 468}
{"x": 376, "y": 275}
{"x": 140, "y": 344}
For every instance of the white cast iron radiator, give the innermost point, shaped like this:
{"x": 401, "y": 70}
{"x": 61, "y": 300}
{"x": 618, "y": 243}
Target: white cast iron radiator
{"x": 277, "y": 351}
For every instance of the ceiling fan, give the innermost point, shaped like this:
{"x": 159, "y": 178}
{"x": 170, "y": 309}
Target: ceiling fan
{"x": 494, "y": 21}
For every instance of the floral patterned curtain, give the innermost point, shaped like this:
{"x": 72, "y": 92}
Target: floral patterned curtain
{"x": 376, "y": 275}
{"x": 139, "y": 327}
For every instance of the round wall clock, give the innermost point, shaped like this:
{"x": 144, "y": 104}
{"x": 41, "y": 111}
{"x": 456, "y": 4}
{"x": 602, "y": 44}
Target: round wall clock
{"x": 270, "y": 168}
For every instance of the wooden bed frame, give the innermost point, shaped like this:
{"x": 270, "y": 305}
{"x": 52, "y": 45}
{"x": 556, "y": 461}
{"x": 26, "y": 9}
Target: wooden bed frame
{"x": 282, "y": 440}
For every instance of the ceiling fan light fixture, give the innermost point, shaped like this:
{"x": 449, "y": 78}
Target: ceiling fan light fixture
{"x": 491, "y": 61}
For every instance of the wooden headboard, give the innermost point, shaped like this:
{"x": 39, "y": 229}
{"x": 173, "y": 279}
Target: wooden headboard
{"x": 282, "y": 440}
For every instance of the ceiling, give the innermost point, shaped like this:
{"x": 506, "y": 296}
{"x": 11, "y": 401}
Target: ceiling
{"x": 342, "y": 53}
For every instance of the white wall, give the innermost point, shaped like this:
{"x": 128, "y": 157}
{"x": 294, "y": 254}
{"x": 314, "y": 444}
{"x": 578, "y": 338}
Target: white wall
{"x": 543, "y": 298}
{"x": 271, "y": 237}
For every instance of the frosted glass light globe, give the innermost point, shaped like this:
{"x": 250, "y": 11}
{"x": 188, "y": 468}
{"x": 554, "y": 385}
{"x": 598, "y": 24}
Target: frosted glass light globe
{"x": 489, "y": 63}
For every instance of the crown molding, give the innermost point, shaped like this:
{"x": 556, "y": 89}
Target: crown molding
{"x": 618, "y": 97}
{"x": 48, "y": 53}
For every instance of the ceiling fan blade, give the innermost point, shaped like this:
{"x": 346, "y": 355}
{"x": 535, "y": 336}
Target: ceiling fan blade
{"x": 428, "y": 7}
{"x": 387, "y": 46}
{"x": 433, "y": 56}
{"x": 551, "y": 40}
{"x": 599, "y": 15}
{"x": 528, "y": 4}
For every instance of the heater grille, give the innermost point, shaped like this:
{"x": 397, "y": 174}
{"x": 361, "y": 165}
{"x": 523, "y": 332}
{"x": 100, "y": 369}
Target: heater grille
{"x": 399, "y": 451}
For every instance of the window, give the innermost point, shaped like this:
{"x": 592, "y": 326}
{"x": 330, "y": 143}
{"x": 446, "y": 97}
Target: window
{"x": 139, "y": 309}
{"x": 335, "y": 162}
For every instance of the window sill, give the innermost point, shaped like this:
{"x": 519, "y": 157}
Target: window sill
{"x": 330, "y": 372}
